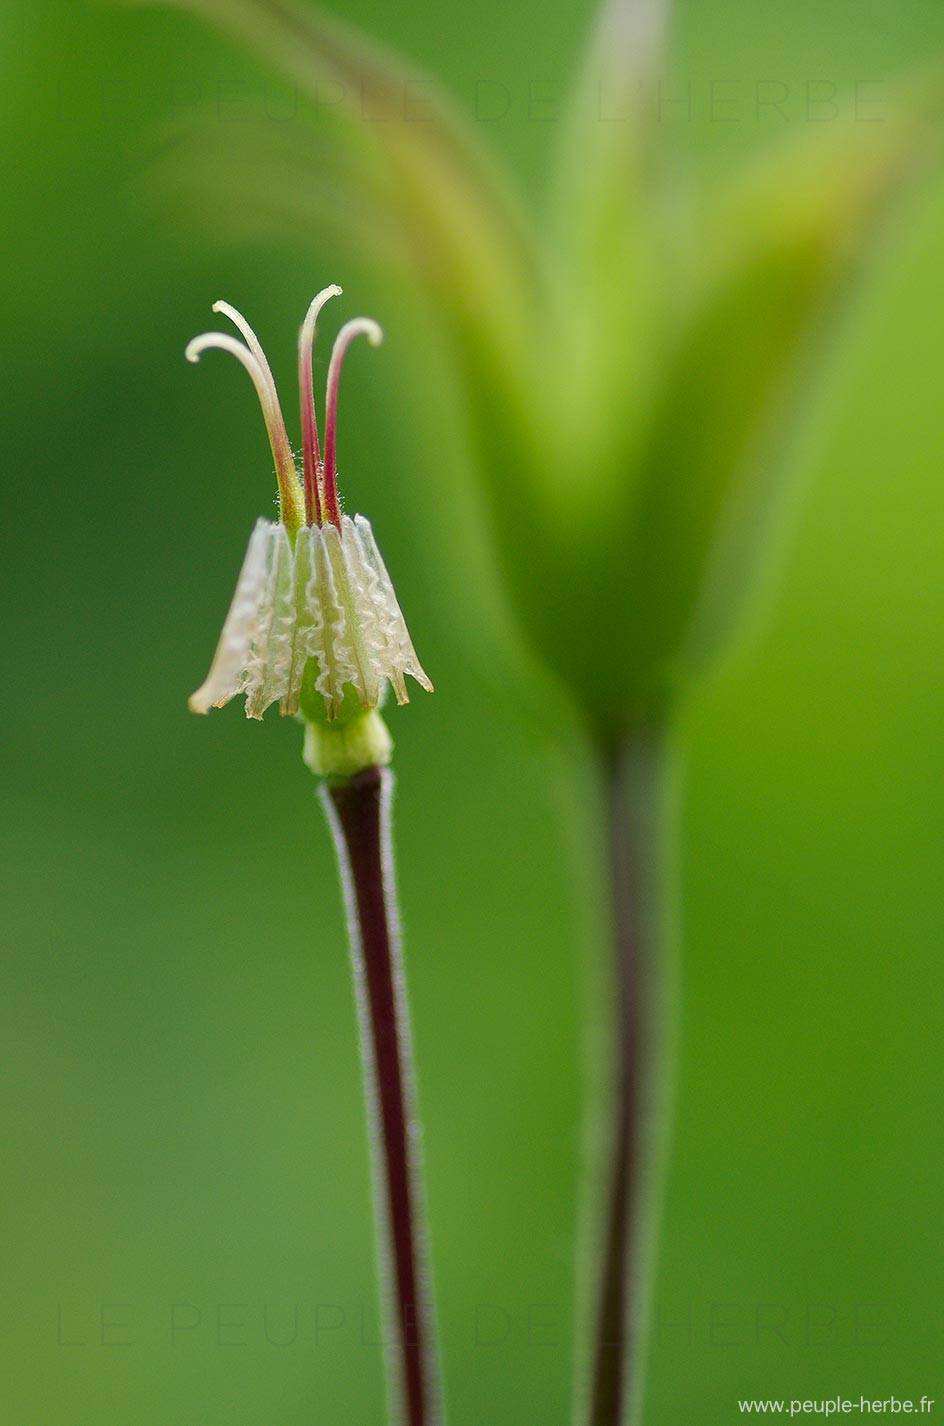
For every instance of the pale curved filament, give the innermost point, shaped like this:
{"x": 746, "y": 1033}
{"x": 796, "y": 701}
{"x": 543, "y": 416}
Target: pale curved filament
{"x": 310, "y": 446}
{"x": 252, "y": 342}
{"x": 271, "y": 411}
{"x": 360, "y": 326}
{"x": 281, "y": 446}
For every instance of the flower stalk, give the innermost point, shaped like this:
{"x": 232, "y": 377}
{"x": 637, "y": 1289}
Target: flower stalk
{"x": 633, "y": 789}
{"x": 358, "y": 811}
{"x": 316, "y": 628}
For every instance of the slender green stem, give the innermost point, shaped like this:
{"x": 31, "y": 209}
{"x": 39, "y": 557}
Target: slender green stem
{"x": 359, "y": 814}
{"x": 632, "y": 787}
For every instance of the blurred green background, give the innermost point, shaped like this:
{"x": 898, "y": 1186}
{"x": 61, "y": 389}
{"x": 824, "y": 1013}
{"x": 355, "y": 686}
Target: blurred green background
{"x": 185, "y": 1165}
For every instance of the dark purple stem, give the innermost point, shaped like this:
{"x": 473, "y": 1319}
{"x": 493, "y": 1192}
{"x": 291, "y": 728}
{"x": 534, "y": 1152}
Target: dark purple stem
{"x": 631, "y": 792}
{"x": 359, "y": 812}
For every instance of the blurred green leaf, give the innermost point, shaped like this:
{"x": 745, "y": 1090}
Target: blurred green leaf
{"x": 654, "y": 554}
{"x": 612, "y": 226}
{"x": 780, "y": 251}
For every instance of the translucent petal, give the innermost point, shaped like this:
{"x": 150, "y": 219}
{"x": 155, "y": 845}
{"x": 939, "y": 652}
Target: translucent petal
{"x": 329, "y": 600}
{"x": 228, "y": 671}
{"x": 271, "y": 654}
{"x": 331, "y": 643}
{"x": 401, "y": 654}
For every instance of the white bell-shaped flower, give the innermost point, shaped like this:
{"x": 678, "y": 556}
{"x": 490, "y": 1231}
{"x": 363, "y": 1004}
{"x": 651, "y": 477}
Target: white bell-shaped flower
{"x": 314, "y": 608}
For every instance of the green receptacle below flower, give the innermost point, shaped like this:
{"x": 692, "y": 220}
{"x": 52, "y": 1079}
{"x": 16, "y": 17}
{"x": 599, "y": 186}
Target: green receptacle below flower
{"x": 340, "y": 749}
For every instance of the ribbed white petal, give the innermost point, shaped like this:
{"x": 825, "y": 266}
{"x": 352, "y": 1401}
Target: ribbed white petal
{"x": 332, "y": 643}
{"x": 268, "y": 674}
{"x": 399, "y": 655}
{"x": 234, "y": 654}
{"x": 331, "y": 600}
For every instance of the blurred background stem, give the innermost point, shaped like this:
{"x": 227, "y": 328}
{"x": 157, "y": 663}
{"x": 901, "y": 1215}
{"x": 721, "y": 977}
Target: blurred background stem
{"x": 634, "y": 776}
{"x": 359, "y": 812}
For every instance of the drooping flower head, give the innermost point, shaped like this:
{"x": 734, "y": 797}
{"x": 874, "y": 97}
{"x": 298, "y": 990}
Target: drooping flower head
{"x": 314, "y": 621}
